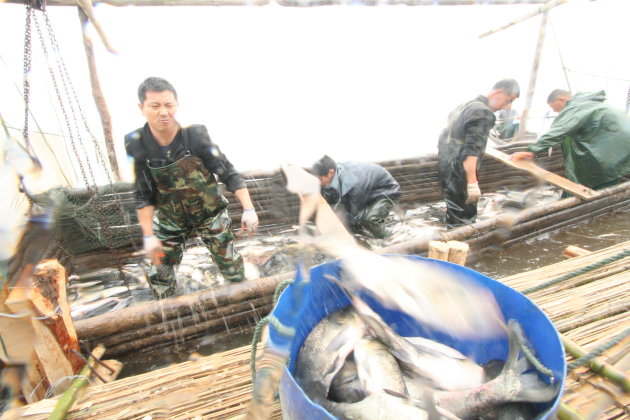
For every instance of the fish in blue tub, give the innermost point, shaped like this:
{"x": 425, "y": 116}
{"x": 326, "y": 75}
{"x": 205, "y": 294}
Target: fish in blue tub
{"x": 377, "y": 374}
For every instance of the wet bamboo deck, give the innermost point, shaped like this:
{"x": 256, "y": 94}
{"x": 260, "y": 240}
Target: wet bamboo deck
{"x": 590, "y": 309}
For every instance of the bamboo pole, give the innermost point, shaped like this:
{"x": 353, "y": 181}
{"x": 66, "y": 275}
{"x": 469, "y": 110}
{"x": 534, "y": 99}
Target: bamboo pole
{"x": 69, "y": 397}
{"x": 597, "y": 365}
{"x": 99, "y": 98}
{"x": 543, "y": 9}
{"x": 533, "y": 76}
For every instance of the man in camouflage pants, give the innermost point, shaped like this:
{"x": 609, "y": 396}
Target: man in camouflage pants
{"x": 177, "y": 191}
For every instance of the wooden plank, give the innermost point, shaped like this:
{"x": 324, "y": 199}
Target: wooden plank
{"x": 576, "y": 189}
{"x": 574, "y": 251}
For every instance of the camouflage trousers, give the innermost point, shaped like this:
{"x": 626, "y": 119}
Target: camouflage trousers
{"x": 217, "y": 236}
{"x": 372, "y": 218}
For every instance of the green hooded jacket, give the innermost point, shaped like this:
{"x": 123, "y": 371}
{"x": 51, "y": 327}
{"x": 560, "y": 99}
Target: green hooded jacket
{"x": 595, "y": 139}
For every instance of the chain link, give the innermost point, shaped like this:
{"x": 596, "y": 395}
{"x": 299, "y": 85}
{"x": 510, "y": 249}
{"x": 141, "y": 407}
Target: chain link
{"x": 27, "y": 73}
{"x": 70, "y": 94}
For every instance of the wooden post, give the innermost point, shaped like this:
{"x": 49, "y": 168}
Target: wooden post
{"x": 49, "y": 299}
{"x": 99, "y": 98}
{"x": 438, "y": 250}
{"x": 532, "y": 78}
{"x": 457, "y": 252}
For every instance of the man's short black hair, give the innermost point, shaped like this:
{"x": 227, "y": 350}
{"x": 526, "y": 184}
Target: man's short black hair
{"x": 557, "y": 93}
{"x": 154, "y": 84}
{"x": 510, "y": 86}
{"x": 323, "y": 166}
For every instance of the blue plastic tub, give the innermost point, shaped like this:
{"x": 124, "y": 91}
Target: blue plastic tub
{"x": 326, "y": 297}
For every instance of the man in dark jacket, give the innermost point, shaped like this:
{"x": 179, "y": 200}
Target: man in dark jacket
{"x": 365, "y": 193}
{"x": 461, "y": 148}
{"x": 595, "y": 138}
{"x": 177, "y": 191}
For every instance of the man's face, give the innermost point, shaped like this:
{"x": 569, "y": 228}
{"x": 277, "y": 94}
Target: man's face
{"x": 559, "y": 104}
{"x": 327, "y": 179}
{"x": 500, "y": 100}
{"x": 159, "y": 109}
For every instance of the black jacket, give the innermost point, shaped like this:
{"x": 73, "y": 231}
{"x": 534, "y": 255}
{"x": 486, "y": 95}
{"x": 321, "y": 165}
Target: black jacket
{"x": 358, "y": 184}
{"x": 466, "y": 133}
{"x": 145, "y": 151}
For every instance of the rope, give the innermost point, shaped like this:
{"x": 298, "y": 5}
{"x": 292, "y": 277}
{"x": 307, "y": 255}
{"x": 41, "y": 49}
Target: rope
{"x": 584, "y": 360}
{"x": 252, "y": 356}
{"x": 578, "y": 272}
{"x": 261, "y": 324}
{"x": 529, "y": 355}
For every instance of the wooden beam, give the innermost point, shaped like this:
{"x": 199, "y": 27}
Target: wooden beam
{"x": 543, "y": 9}
{"x": 578, "y": 190}
{"x": 284, "y": 3}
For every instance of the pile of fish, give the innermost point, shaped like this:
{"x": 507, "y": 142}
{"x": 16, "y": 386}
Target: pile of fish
{"x": 357, "y": 367}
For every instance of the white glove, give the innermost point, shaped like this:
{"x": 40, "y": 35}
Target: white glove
{"x": 249, "y": 221}
{"x": 153, "y": 248}
{"x": 473, "y": 193}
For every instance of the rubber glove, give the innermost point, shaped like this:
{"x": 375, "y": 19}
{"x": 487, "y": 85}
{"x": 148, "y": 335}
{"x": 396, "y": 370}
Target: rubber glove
{"x": 153, "y": 249}
{"x": 473, "y": 193}
{"x": 249, "y": 221}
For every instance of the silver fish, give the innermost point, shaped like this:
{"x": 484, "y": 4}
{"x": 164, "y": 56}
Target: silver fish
{"x": 514, "y": 384}
{"x": 376, "y": 375}
{"x": 346, "y": 386}
{"x": 441, "y": 366}
{"x": 430, "y": 294}
{"x": 377, "y": 368}
{"x": 316, "y": 365}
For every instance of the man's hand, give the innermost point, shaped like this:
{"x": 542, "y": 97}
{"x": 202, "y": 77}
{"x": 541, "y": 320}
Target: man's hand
{"x": 473, "y": 193}
{"x": 249, "y": 221}
{"x": 522, "y": 156}
{"x": 153, "y": 249}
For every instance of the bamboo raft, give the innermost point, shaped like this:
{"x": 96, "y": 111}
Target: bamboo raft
{"x": 589, "y": 307}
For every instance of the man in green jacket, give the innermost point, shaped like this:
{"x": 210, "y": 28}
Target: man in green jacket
{"x": 594, "y": 136}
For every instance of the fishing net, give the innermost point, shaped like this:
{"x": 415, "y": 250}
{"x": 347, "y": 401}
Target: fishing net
{"x": 87, "y": 219}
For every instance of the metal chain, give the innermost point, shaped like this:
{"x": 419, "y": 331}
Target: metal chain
{"x": 94, "y": 195}
{"x": 628, "y": 101}
{"x": 62, "y": 106}
{"x": 27, "y": 73}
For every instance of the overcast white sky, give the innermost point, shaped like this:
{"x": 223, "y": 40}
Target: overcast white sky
{"x": 278, "y": 84}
